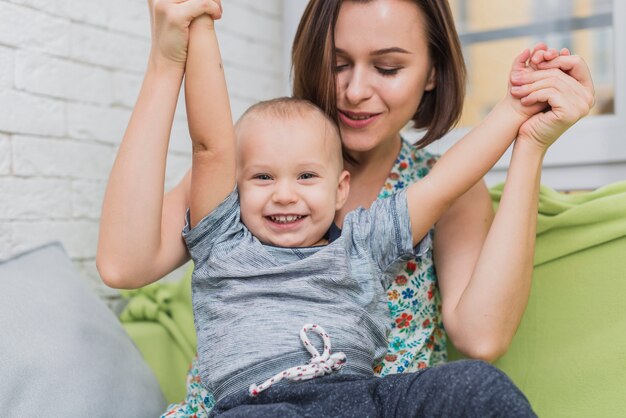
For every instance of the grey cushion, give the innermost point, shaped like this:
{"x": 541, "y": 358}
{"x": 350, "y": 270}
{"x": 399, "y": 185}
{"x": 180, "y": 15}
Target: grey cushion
{"x": 63, "y": 353}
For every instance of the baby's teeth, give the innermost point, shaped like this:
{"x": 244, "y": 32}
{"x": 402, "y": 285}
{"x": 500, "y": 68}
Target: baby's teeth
{"x": 285, "y": 219}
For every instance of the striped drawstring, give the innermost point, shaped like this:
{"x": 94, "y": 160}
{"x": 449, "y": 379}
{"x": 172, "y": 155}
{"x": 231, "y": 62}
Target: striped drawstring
{"x": 319, "y": 365}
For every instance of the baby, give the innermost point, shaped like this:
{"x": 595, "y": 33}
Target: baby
{"x": 269, "y": 262}
{"x": 268, "y": 259}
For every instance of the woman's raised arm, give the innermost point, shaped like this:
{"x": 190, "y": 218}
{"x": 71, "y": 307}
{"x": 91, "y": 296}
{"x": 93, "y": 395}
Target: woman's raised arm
{"x": 485, "y": 272}
{"x": 140, "y": 228}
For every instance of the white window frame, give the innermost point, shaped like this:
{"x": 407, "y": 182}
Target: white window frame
{"x": 590, "y": 154}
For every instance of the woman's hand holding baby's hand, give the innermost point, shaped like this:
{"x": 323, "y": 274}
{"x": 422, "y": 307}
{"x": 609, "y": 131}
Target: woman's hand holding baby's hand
{"x": 170, "y": 21}
{"x": 526, "y": 63}
{"x": 558, "y": 88}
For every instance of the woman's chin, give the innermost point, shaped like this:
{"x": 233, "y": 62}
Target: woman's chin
{"x": 359, "y": 143}
{"x": 363, "y": 145}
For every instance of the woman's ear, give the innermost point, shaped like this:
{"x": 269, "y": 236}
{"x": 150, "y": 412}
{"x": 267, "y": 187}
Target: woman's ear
{"x": 431, "y": 83}
{"x": 343, "y": 189}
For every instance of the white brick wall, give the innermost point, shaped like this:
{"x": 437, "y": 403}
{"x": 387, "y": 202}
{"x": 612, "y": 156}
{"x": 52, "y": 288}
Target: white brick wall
{"x": 5, "y": 155}
{"x": 70, "y": 71}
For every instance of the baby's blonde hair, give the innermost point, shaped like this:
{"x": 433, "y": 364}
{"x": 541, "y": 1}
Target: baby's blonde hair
{"x": 284, "y": 108}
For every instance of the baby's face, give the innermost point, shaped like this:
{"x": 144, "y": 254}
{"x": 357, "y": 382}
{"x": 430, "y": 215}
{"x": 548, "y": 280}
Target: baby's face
{"x": 290, "y": 180}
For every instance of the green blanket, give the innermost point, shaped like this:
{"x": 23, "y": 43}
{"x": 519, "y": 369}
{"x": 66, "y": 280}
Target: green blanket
{"x": 159, "y": 318}
{"x": 569, "y": 223}
{"x": 569, "y": 354}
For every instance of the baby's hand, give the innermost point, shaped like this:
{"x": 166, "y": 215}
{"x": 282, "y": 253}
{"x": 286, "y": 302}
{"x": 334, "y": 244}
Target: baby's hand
{"x": 525, "y": 63}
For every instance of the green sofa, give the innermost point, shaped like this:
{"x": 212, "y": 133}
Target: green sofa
{"x": 569, "y": 353}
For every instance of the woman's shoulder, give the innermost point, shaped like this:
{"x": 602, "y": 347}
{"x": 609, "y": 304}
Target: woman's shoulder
{"x": 415, "y": 160}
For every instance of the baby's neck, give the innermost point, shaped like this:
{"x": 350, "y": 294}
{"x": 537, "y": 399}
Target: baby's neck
{"x": 332, "y": 232}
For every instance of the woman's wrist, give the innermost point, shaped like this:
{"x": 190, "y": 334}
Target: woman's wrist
{"x": 529, "y": 148}
{"x": 162, "y": 66}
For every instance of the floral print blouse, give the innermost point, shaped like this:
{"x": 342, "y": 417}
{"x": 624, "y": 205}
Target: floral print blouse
{"x": 417, "y": 337}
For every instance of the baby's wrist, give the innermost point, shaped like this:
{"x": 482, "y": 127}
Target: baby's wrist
{"x": 514, "y": 110}
{"x": 202, "y": 23}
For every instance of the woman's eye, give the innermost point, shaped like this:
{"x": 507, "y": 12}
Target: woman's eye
{"x": 340, "y": 67}
{"x": 387, "y": 71}
{"x": 307, "y": 176}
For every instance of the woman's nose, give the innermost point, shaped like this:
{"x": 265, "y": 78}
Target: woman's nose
{"x": 357, "y": 86}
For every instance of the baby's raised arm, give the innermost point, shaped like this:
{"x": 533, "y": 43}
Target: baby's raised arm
{"x": 210, "y": 121}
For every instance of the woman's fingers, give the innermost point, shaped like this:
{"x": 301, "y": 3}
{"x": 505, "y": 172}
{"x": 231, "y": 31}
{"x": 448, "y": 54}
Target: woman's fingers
{"x": 170, "y": 21}
{"x": 558, "y": 81}
{"x": 573, "y": 65}
{"x": 191, "y": 9}
{"x": 564, "y": 111}
{"x": 546, "y": 95}
{"x": 179, "y": 12}
{"x": 566, "y": 99}
{"x": 564, "y": 95}
{"x": 543, "y": 58}
{"x": 524, "y": 83}
{"x": 541, "y": 79}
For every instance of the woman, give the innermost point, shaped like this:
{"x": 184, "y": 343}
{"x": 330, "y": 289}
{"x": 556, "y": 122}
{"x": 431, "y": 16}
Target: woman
{"x": 373, "y": 66}
{"x": 393, "y": 64}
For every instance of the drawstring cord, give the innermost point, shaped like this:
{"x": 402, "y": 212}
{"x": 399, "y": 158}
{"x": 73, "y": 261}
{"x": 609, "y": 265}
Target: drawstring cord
{"x": 319, "y": 365}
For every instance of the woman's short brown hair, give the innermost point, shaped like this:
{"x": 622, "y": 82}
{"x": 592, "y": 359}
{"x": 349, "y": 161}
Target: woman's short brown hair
{"x": 314, "y": 75}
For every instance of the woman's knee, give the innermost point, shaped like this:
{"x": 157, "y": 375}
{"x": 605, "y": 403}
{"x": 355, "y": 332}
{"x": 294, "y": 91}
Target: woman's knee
{"x": 474, "y": 375}
{"x": 477, "y": 388}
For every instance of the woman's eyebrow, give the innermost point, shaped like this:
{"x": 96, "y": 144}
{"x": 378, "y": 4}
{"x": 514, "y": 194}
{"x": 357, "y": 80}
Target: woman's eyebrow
{"x": 390, "y": 50}
{"x": 393, "y": 49}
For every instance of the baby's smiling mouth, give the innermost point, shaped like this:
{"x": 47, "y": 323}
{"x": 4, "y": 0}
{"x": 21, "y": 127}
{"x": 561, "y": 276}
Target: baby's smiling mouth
{"x": 284, "y": 219}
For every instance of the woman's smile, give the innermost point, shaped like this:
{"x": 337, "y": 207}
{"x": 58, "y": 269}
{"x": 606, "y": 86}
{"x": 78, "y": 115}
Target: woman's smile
{"x": 357, "y": 120}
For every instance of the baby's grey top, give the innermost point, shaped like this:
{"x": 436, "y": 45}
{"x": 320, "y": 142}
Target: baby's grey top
{"x": 250, "y": 300}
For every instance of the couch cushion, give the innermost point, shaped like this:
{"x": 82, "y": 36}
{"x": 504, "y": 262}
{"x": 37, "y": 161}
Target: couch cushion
{"x": 63, "y": 352}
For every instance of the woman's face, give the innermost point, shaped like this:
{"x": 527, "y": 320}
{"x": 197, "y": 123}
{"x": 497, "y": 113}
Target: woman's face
{"x": 383, "y": 69}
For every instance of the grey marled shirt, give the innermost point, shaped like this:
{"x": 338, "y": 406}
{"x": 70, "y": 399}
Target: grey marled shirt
{"x": 250, "y": 300}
